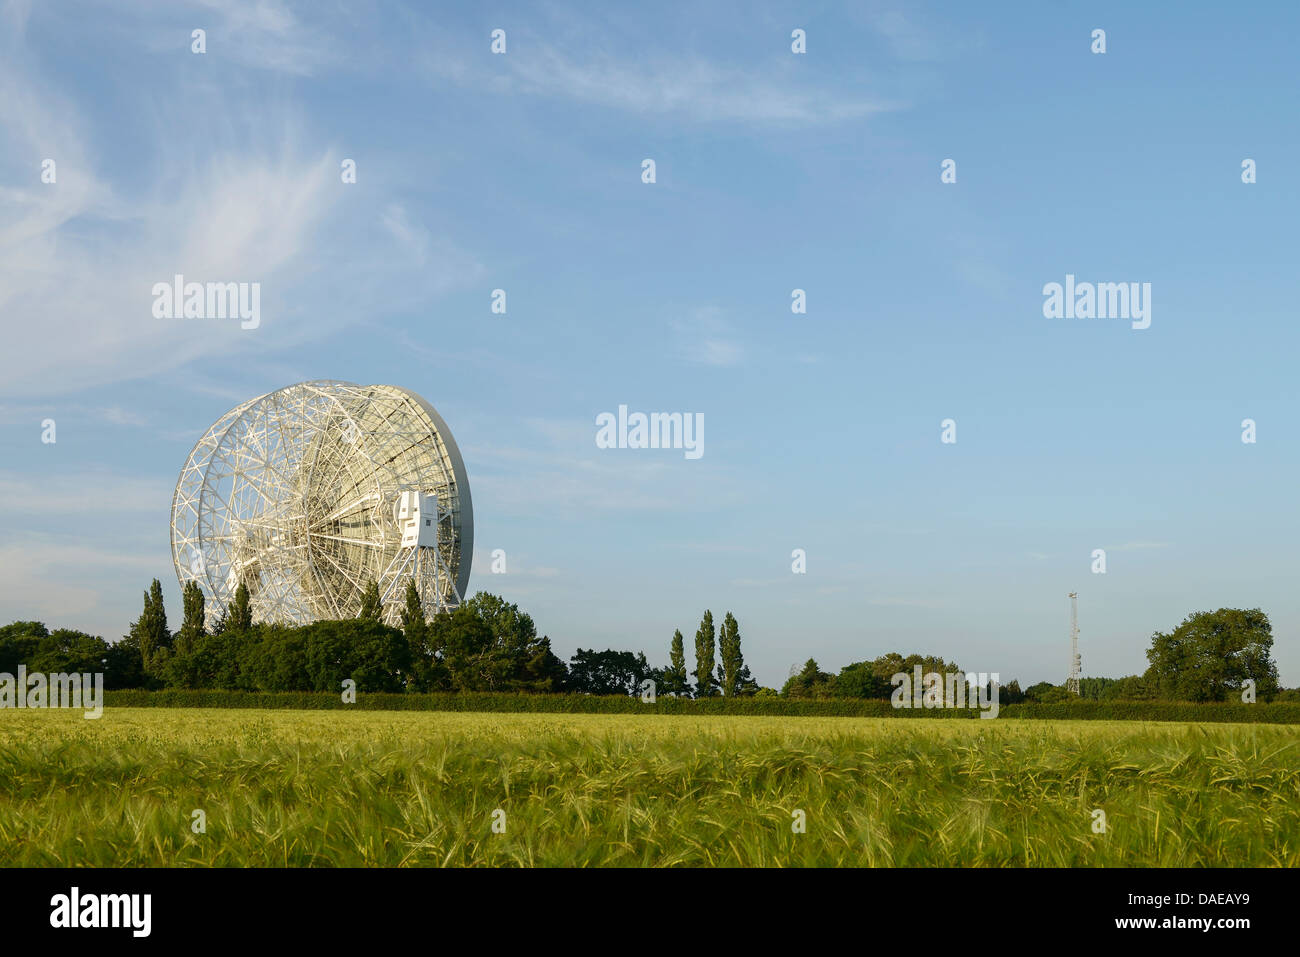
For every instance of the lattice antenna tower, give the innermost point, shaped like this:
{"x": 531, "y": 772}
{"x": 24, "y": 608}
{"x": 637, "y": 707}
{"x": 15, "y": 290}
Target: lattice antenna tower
{"x": 1072, "y": 682}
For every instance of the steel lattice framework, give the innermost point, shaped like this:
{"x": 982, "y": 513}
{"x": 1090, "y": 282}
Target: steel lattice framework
{"x": 297, "y": 494}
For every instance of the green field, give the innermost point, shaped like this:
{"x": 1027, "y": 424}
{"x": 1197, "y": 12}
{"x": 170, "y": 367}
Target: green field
{"x": 420, "y": 788}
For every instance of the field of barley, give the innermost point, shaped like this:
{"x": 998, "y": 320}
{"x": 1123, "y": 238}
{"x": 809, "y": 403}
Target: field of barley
{"x": 337, "y": 788}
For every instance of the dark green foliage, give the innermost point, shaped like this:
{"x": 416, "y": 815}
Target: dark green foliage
{"x": 1211, "y": 654}
{"x": 811, "y": 682}
{"x": 58, "y": 652}
{"x": 675, "y": 680}
{"x": 1094, "y": 689}
{"x": 18, "y": 644}
{"x": 241, "y": 611}
{"x": 859, "y": 680}
{"x": 1047, "y": 693}
{"x": 608, "y": 672}
{"x": 1132, "y": 688}
{"x": 1076, "y": 710}
{"x": 706, "y": 683}
{"x": 487, "y": 644}
{"x": 192, "y": 630}
{"x": 276, "y": 659}
{"x": 372, "y": 608}
{"x": 66, "y": 651}
{"x": 866, "y": 679}
{"x": 149, "y": 632}
{"x": 1010, "y": 693}
{"x": 376, "y": 656}
{"x": 315, "y": 657}
{"x": 124, "y": 666}
{"x": 414, "y": 625}
{"x": 733, "y": 675}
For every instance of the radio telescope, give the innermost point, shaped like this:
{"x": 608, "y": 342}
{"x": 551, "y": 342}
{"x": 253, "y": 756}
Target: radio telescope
{"x": 310, "y": 493}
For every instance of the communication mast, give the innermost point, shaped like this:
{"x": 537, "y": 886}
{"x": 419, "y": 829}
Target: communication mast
{"x": 1072, "y": 682}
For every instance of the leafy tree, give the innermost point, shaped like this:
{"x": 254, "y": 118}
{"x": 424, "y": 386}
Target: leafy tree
{"x": 149, "y": 631}
{"x": 462, "y": 645}
{"x": 371, "y": 653}
{"x": 63, "y": 651}
{"x": 733, "y": 675}
{"x": 706, "y": 685}
{"x": 217, "y": 661}
{"x": 66, "y": 651}
{"x": 608, "y": 672}
{"x": 192, "y": 629}
{"x": 523, "y": 661}
{"x": 874, "y": 679}
{"x": 1010, "y": 693}
{"x": 1047, "y": 693}
{"x": 675, "y": 680}
{"x": 241, "y": 611}
{"x": 811, "y": 682}
{"x": 1094, "y": 689}
{"x": 544, "y": 671}
{"x": 860, "y": 680}
{"x": 1132, "y": 688}
{"x": 488, "y": 644}
{"x": 1211, "y": 654}
{"x": 372, "y": 608}
{"x": 124, "y": 666}
{"x": 275, "y": 659}
{"x": 416, "y": 629}
{"x": 18, "y": 644}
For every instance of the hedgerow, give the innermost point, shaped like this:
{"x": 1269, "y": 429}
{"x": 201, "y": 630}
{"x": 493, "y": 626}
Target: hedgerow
{"x": 1275, "y": 713}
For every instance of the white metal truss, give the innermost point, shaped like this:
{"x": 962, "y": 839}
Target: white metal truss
{"x": 295, "y": 493}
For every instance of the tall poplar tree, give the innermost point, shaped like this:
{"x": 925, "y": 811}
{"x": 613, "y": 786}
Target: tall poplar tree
{"x": 414, "y": 625}
{"x": 241, "y": 611}
{"x": 150, "y": 630}
{"x": 733, "y": 674}
{"x": 372, "y": 608}
{"x": 706, "y": 685}
{"x": 187, "y": 639}
{"x": 677, "y": 680}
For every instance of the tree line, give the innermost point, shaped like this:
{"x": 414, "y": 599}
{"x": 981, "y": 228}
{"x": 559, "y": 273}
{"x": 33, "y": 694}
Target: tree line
{"x": 485, "y": 644}
{"x": 1209, "y": 656}
{"x": 489, "y": 644}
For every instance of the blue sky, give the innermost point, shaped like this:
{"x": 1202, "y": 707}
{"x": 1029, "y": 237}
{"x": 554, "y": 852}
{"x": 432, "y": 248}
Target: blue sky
{"x": 775, "y": 171}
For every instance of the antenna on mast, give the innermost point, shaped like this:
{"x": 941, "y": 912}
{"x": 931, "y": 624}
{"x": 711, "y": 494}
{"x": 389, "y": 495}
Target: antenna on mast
{"x": 1072, "y": 682}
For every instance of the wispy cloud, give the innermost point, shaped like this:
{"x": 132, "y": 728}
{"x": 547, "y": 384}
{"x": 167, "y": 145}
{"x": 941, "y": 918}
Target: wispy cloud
{"x": 707, "y": 337}
{"x": 261, "y": 34}
{"x": 687, "y": 86}
{"x": 79, "y": 257}
{"x": 90, "y": 491}
{"x": 906, "y": 37}
{"x": 668, "y": 83}
{"x": 31, "y": 415}
{"x": 45, "y": 580}
{"x": 568, "y": 475}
